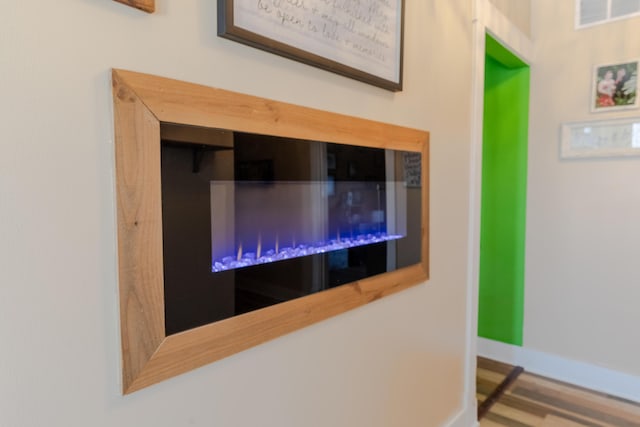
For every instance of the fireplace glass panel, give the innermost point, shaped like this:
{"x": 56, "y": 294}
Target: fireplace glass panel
{"x": 250, "y": 220}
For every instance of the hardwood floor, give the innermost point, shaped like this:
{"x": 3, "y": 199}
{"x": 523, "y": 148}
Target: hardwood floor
{"x": 535, "y": 401}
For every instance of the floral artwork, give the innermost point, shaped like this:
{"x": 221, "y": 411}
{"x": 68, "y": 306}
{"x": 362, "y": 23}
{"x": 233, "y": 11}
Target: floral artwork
{"x": 615, "y": 87}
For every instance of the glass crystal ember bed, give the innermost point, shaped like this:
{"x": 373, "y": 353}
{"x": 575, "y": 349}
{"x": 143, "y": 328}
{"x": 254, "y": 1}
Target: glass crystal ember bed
{"x": 284, "y": 220}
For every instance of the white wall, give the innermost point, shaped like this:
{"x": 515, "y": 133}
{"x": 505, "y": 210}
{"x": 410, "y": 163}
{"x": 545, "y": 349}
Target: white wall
{"x": 582, "y": 278}
{"x": 401, "y": 361}
{"x": 517, "y": 11}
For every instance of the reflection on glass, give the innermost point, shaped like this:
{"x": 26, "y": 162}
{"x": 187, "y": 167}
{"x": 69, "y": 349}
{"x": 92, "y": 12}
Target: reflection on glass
{"x": 252, "y": 220}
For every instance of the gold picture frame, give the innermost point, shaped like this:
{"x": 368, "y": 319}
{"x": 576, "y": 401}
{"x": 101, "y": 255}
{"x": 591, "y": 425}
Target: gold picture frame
{"x": 145, "y": 5}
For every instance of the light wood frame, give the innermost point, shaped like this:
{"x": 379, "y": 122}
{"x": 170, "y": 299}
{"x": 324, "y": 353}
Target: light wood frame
{"x": 141, "y": 103}
{"x": 146, "y": 5}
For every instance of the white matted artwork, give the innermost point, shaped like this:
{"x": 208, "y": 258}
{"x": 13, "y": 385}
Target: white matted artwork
{"x": 600, "y": 138}
{"x": 615, "y": 86}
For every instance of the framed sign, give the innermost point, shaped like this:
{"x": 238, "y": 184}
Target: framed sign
{"x": 412, "y": 170}
{"x": 360, "y": 40}
{"x": 615, "y": 87}
{"x": 602, "y": 138}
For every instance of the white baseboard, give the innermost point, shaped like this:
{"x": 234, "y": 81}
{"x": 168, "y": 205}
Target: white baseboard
{"x": 578, "y": 373}
{"x": 465, "y": 418}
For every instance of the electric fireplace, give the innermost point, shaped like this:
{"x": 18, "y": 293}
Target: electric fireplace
{"x": 241, "y": 219}
{"x": 253, "y": 220}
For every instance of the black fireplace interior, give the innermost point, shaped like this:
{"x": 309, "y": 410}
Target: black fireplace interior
{"x": 251, "y": 220}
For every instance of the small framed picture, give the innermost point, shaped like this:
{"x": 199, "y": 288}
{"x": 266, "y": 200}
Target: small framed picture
{"x": 615, "y": 87}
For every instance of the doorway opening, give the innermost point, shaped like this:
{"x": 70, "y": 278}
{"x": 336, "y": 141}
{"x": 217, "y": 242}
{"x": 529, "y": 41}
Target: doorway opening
{"x": 503, "y": 199}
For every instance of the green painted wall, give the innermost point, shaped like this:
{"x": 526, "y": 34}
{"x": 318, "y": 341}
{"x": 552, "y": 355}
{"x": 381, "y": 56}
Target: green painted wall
{"x": 504, "y": 185}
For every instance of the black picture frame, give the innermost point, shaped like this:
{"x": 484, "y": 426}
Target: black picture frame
{"x": 360, "y": 41}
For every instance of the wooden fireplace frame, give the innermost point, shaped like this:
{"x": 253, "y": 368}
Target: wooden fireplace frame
{"x": 141, "y": 103}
